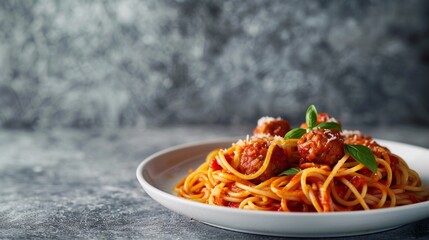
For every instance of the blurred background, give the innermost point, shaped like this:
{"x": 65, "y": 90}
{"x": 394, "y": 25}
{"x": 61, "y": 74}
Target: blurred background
{"x": 113, "y": 64}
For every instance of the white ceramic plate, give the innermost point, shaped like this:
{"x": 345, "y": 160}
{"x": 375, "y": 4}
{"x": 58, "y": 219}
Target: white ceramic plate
{"x": 160, "y": 172}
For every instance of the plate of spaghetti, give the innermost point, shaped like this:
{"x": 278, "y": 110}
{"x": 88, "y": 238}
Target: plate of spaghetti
{"x": 316, "y": 180}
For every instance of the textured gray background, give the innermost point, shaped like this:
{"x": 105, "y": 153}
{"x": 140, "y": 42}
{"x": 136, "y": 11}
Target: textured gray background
{"x": 155, "y": 62}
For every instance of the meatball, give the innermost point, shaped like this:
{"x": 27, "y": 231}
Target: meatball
{"x": 272, "y": 126}
{"x": 321, "y": 146}
{"x": 253, "y": 156}
{"x": 321, "y": 118}
{"x": 357, "y": 138}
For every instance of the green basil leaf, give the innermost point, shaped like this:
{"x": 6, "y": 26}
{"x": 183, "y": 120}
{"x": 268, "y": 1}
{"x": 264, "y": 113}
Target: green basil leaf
{"x": 290, "y": 172}
{"x": 363, "y": 155}
{"x": 295, "y": 133}
{"x": 311, "y": 116}
{"x": 329, "y": 125}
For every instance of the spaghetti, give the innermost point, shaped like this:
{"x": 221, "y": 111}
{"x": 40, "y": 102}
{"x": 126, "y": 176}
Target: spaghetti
{"x": 271, "y": 172}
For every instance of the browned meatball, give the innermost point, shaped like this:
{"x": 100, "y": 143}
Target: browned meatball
{"x": 321, "y": 146}
{"x": 321, "y": 118}
{"x": 272, "y": 126}
{"x": 357, "y": 138}
{"x": 253, "y": 156}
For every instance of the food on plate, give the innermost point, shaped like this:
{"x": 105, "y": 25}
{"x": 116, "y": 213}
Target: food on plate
{"x": 317, "y": 167}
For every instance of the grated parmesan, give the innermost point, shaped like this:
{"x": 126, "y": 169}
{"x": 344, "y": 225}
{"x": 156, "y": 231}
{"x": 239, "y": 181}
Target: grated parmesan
{"x": 348, "y": 133}
{"x": 263, "y": 120}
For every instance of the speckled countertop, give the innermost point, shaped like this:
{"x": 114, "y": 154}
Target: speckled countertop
{"x": 67, "y": 184}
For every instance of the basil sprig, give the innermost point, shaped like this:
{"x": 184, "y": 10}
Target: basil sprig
{"x": 295, "y": 133}
{"x": 290, "y": 172}
{"x": 329, "y": 125}
{"x": 363, "y": 155}
{"x": 360, "y": 153}
{"x": 311, "y": 121}
{"x": 311, "y": 116}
